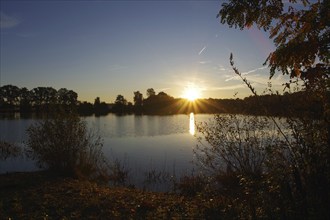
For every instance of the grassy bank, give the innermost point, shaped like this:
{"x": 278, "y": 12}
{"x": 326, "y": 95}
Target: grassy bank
{"x": 40, "y": 195}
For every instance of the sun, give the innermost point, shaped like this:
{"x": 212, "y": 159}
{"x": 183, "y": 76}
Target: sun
{"x": 191, "y": 93}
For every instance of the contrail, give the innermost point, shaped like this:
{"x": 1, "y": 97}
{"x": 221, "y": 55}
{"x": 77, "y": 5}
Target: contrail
{"x": 254, "y": 70}
{"x": 245, "y": 73}
{"x": 200, "y": 52}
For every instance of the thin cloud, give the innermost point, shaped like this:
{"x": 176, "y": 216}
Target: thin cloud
{"x": 254, "y": 70}
{"x": 202, "y": 50}
{"x": 232, "y": 78}
{"x": 7, "y": 21}
{"x": 205, "y": 62}
{"x": 263, "y": 80}
{"x": 220, "y": 68}
{"x": 245, "y": 73}
{"x": 239, "y": 86}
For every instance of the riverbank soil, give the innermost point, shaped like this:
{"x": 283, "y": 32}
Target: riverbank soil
{"x": 40, "y": 195}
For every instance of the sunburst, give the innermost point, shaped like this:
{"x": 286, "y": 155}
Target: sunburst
{"x": 192, "y": 93}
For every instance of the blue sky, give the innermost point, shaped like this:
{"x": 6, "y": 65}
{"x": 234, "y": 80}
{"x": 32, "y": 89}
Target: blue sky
{"x": 106, "y": 48}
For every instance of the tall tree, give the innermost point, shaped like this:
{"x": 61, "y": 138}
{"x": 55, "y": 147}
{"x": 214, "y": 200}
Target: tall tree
{"x": 100, "y": 108}
{"x": 138, "y": 102}
{"x": 97, "y": 101}
{"x": 150, "y": 92}
{"x": 300, "y": 30}
{"x": 10, "y": 94}
{"x": 120, "y": 100}
{"x": 67, "y": 97}
{"x": 25, "y": 100}
{"x": 120, "y": 104}
{"x": 44, "y": 95}
{"x": 138, "y": 99}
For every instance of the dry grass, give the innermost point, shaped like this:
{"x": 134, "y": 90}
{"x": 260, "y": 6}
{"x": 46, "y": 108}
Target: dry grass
{"x": 40, "y": 195}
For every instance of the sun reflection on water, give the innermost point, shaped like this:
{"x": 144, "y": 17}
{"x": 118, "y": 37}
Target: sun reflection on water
{"x": 192, "y": 124}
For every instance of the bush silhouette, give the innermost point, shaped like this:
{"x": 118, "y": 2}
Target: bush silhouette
{"x": 63, "y": 144}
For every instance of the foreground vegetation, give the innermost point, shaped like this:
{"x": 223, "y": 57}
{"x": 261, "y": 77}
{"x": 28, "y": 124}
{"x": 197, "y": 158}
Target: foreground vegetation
{"x": 41, "y": 195}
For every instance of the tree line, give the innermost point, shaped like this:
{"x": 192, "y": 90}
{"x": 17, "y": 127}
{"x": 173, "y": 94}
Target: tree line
{"x": 46, "y": 99}
{"x": 40, "y": 99}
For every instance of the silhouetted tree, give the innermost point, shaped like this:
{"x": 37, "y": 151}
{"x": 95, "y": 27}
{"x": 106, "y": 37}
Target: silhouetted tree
{"x": 162, "y": 94}
{"x": 25, "y": 100}
{"x": 138, "y": 102}
{"x": 10, "y": 95}
{"x": 2, "y": 100}
{"x": 100, "y": 108}
{"x": 138, "y": 98}
{"x": 67, "y": 97}
{"x": 120, "y": 100}
{"x": 41, "y": 99}
{"x": 120, "y": 106}
{"x": 159, "y": 104}
{"x": 97, "y": 101}
{"x": 130, "y": 108}
{"x": 162, "y": 103}
{"x": 44, "y": 97}
{"x": 97, "y": 104}
{"x": 85, "y": 108}
{"x": 150, "y": 92}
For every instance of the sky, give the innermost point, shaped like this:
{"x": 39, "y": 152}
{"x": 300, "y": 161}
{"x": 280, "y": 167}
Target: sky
{"x": 106, "y": 48}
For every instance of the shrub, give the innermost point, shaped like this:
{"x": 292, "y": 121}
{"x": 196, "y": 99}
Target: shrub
{"x": 118, "y": 173}
{"x": 282, "y": 173}
{"x": 63, "y": 144}
{"x": 8, "y": 150}
{"x": 232, "y": 152}
{"x": 191, "y": 185}
{"x": 234, "y": 143}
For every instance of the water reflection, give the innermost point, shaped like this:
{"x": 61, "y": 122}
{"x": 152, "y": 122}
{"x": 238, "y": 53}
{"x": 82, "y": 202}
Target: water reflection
{"x": 192, "y": 124}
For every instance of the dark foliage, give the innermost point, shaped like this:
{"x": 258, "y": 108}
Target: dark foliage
{"x": 63, "y": 144}
{"x": 9, "y": 150}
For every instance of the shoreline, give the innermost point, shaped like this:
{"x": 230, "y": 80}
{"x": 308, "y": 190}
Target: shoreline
{"x": 43, "y": 195}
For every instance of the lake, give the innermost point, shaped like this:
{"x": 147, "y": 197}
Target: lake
{"x": 141, "y": 143}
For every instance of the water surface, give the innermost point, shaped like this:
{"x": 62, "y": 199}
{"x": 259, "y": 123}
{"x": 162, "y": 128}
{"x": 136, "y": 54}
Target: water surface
{"x": 142, "y": 143}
